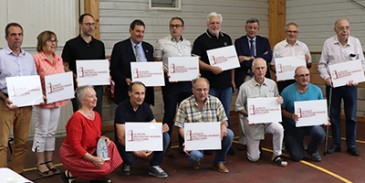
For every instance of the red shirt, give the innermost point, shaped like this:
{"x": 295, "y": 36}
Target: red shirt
{"x": 46, "y": 67}
{"x": 82, "y": 133}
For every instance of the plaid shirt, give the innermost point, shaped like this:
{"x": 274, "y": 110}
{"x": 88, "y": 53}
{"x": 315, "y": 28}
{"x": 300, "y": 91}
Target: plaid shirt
{"x": 189, "y": 111}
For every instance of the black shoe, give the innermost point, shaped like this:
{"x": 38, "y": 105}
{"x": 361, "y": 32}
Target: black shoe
{"x": 333, "y": 149}
{"x": 157, "y": 171}
{"x": 353, "y": 151}
{"x": 65, "y": 176}
{"x": 103, "y": 180}
{"x": 126, "y": 169}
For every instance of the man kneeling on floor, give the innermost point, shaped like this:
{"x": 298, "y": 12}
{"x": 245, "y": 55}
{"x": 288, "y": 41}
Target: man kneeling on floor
{"x": 301, "y": 90}
{"x": 259, "y": 87}
{"x": 202, "y": 107}
{"x": 135, "y": 110}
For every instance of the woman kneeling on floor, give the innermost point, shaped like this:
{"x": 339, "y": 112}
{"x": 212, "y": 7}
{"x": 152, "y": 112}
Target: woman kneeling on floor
{"x": 78, "y": 151}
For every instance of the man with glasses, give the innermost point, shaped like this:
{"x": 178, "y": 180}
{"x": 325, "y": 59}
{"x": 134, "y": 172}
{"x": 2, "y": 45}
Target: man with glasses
{"x": 289, "y": 47}
{"x": 199, "y": 108}
{"x": 337, "y": 49}
{"x": 84, "y": 47}
{"x": 301, "y": 90}
{"x": 174, "y": 45}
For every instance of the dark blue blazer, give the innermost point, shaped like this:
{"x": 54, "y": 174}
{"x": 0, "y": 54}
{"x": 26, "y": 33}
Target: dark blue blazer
{"x": 243, "y": 49}
{"x": 120, "y": 69}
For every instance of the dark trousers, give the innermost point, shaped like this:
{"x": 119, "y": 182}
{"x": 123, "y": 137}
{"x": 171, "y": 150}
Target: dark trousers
{"x": 157, "y": 157}
{"x": 294, "y": 137}
{"x": 284, "y": 84}
{"x": 173, "y": 94}
{"x": 349, "y": 96}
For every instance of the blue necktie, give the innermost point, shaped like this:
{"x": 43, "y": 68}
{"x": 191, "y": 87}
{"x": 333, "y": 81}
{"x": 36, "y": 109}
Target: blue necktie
{"x": 252, "y": 48}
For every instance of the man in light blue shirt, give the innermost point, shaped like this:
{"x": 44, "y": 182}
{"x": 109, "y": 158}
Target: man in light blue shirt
{"x": 14, "y": 61}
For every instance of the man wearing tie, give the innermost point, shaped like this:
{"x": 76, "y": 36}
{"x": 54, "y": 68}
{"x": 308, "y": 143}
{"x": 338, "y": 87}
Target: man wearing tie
{"x": 133, "y": 49}
{"x": 249, "y": 47}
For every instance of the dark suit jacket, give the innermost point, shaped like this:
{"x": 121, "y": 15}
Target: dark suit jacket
{"x": 120, "y": 69}
{"x": 243, "y": 49}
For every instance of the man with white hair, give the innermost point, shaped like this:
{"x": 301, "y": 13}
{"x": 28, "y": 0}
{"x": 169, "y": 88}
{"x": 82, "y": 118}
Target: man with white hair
{"x": 221, "y": 82}
{"x": 260, "y": 87}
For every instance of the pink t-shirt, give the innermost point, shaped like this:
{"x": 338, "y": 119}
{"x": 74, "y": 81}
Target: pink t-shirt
{"x": 46, "y": 67}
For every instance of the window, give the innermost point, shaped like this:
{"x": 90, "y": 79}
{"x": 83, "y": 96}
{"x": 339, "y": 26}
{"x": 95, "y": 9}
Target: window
{"x": 165, "y": 4}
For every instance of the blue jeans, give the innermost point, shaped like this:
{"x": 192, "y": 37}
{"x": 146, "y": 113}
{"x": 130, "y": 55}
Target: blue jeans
{"x": 294, "y": 137}
{"x": 349, "y": 96}
{"x": 157, "y": 157}
{"x": 220, "y": 156}
{"x": 225, "y": 96}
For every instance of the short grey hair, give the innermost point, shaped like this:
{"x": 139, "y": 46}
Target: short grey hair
{"x": 291, "y": 24}
{"x": 200, "y": 78}
{"x": 80, "y": 91}
{"x": 257, "y": 59}
{"x": 215, "y": 14}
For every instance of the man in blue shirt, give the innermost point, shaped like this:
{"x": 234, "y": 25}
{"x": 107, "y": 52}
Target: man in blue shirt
{"x": 301, "y": 90}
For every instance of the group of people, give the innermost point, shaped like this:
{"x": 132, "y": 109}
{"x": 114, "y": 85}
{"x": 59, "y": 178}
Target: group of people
{"x": 205, "y": 99}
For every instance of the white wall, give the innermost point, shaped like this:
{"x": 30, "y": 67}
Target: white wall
{"x": 116, "y": 15}
{"x": 36, "y": 16}
{"x": 316, "y": 19}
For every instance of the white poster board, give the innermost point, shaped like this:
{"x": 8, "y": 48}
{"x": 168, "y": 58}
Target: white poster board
{"x": 285, "y": 67}
{"x": 202, "y": 136}
{"x": 342, "y": 73}
{"x": 143, "y": 136}
{"x": 263, "y": 110}
{"x": 24, "y": 90}
{"x": 311, "y": 112}
{"x": 226, "y": 57}
{"x": 183, "y": 68}
{"x": 59, "y": 87}
{"x": 149, "y": 73}
{"x": 92, "y": 72}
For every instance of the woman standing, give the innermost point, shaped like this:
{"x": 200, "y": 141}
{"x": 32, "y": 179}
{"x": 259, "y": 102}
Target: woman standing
{"x": 78, "y": 151}
{"x": 46, "y": 116}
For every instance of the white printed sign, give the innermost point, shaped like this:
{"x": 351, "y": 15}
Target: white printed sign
{"x": 143, "y": 136}
{"x": 344, "y": 72}
{"x": 312, "y": 112}
{"x": 263, "y": 110}
{"x": 202, "y": 136}
{"x": 59, "y": 87}
{"x": 183, "y": 68}
{"x": 92, "y": 72}
{"x": 285, "y": 67}
{"x": 149, "y": 73}
{"x": 25, "y": 90}
{"x": 225, "y": 57}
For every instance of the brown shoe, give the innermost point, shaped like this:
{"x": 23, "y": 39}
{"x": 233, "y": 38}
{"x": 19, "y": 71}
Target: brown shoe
{"x": 196, "y": 165}
{"x": 220, "y": 167}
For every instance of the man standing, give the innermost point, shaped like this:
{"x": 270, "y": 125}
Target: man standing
{"x": 135, "y": 110}
{"x": 133, "y": 49}
{"x": 173, "y": 92}
{"x": 221, "y": 81}
{"x": 249, "y": 47}
{"x": 259, "y": 86}
{"x": 289, "y": 47}
{"x": 14, "y": 61}
{"x": 341, "y": 48}
{"x": 301, "y": 90}
{"x": 84, "y": 47}
{"x": 202, "y": 107}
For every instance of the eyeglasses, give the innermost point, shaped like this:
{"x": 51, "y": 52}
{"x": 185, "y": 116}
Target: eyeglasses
{"x": 89, "y": 24}
{"x": 302, "y": 75}
{"x": 52, "y": 40}
{"x": 175, "y": 26}
{"x": 294, "y": 32}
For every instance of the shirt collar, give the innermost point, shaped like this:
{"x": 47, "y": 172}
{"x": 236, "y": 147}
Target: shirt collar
{"x": 8, "y": 51}
{"x": 254, "y": 39}
{"x": 174, "y": 40}
{"x": 211, "y": 35}
{"x": 134, "y": 44}
{"x": 287, "y": 44}
{"x": 336, "y": 41}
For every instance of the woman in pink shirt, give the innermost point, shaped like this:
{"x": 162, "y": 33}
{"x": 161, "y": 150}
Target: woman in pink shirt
{"x": 46, "y": 116}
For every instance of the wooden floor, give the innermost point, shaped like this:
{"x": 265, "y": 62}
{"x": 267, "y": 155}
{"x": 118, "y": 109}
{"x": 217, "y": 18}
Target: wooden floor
{"x": 338, "y": 167}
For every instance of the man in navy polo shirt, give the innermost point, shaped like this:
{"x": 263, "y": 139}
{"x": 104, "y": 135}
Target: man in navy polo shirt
{"x": 136, "y": 110}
